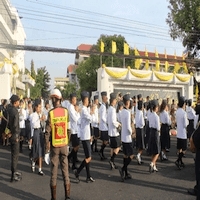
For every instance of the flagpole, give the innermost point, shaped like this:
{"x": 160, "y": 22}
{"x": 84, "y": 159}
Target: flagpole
{"x": 112, "y": 61}
{"x": 124, "y": 62}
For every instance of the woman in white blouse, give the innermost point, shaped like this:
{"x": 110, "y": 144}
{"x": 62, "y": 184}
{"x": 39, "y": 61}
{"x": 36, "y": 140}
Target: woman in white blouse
{"x": 38, "y": 137}
{"x": 164, "y": 131}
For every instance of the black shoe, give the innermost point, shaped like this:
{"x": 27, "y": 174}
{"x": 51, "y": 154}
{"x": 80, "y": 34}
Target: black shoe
{"x": 182, "y": 165}
{"x": 76, "y": 175}
{"x": 121, "y": 172}
{"x": 178, "y": 165}
{"x": 192, "y": 192}
{"x": 90, "y": 180}
{"x": 112, "y": 166}
{"x": 18, "y": 174}
{"x": 73, "y": 167}
{"x": 15, "y": 178}
{"x": 128, "y": 176}
{"x": 41, "y": 173}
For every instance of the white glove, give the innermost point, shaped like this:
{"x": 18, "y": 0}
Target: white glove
{"x": 47, "y": 158}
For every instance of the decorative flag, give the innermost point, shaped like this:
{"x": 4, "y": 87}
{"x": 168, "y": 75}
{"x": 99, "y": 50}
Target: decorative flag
{"x": 114, "y": 47}
{"x": 147, "y": 61}
{"x": 197, "y": 91}
{"x": 157, "y": 61}
{"x": 102, "y": 45}
{"x": 126, "y": 49}
{"x": 176, "y": 67}
{"x": 137, "y": 61}
{"x": 166, "y": 62}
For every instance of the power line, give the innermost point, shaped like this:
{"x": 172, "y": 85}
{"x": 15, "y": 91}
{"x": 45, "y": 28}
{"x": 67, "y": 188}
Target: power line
{"x": 91, "y": 52}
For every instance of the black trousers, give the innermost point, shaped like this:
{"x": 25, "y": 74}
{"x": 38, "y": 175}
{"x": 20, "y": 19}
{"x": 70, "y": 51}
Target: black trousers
{"x": 14, "y": 155}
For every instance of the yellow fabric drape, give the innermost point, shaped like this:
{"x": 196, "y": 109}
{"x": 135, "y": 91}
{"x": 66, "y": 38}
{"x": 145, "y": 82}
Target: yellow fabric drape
{"x": 114, "y": 47}
{"x": 185, "y": 68}
{"x": 138, "y": 62}
{"x": 116, "y": 74}
{"x": 197, "y": 91}
{"x": 140, "y": 75}
{"x": 102, "y": 45}
{"x": 161, "y": 77}
{"x": 147, "y": 61}
{"x": 157, "y": 61}
{"x": 184, "y": 78}
{"x": 15, "y": 69}
{"x": 176, "y": 67}
{"x": 126, "y": 49}
{"x": 166, "y": 66}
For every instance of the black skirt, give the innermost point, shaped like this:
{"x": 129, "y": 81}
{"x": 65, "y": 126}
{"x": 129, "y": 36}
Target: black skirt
{"x": 190, "y": 128}
{"x": 127, "y": 148}
{"x": 140, "y": 138}
{"x": 38, "y": 144}
{"x": 164, "y": 136}
{"x": 115, "y": 142}
{"x": 96, "y": 132}
{"x": 147, "y": 134}
{"x": 154, "y": 142}
{"x": 87, "y": 148}
{"x": 75, "y": 140}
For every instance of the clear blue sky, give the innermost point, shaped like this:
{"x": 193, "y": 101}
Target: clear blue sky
{"x": 143, "y": 25}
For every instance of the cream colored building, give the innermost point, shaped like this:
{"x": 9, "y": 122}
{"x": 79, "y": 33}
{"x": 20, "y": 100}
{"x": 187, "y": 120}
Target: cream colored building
{"x": 61, "y": 81}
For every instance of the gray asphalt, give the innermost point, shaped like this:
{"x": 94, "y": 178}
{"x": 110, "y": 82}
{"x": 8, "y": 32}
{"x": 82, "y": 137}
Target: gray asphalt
{"x": 167, "y": 184}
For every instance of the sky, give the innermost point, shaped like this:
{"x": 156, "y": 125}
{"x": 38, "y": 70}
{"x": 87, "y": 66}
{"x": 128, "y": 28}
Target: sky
{"x": 68, "y": 24}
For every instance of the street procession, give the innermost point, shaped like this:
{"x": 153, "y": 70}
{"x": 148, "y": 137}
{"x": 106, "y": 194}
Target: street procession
{"x": 121, "y": 121}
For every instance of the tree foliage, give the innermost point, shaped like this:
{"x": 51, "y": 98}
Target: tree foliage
{"x": 184, "y": 23}
{"x": 42, "y": 84}
{"x": 33, "y": 73}
{"x": 87, "y": 70}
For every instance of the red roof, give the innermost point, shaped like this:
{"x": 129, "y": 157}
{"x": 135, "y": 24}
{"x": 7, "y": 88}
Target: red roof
{"x": 152, "y": 54}
{"x": 71, "y": 68}
{"x": 84, "y": 47}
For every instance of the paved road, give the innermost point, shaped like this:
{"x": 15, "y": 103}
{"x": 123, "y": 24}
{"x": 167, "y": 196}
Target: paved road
{"x": 167, "y": 184}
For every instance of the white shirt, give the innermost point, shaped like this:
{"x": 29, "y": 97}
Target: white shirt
{"x": 164, "y": 118}
{"x": 73, "y": 119}
{"x": 182, "y": 122}
{"x": 30, "y": 119}
{"x": 112, "y": 122}
{"x": 190, "y": 113}
{"x": 148, "y": 114}
{"x": 119, "y": 116}
{"x": 154, "y": 121}
{"x": 126, "y": 131}
{"x": 139, "y": 119}
{"x": 79, "y": 125}
{"x": 22, "y": 118}
{"x": 35, "y": 120}
{"x": 86, "y": 119}
{"x": 95, "y": 123}
{"x": 103, "y": 118}
{"x": 65, "y": 104}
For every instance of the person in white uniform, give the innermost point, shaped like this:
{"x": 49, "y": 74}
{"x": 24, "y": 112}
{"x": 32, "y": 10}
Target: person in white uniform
{"x": 103, "y": 126}
{"x": 191, "y": 115}
{"x": 139, "y": 122}
{"x": 182, "y": 123}
{"x": 164, "y": 131}
{"x": 95, "y": 123}
{"x": 74, "y": 117}
{"x": 22, "y": 118}
{"x": 85, "y": 136}
{"x": 113, "y": 133}
{"x": 154, "y": 140}
{"x": 126, "y": 138}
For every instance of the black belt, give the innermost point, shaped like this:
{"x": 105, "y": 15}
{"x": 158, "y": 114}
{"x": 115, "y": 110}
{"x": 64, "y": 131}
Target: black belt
{"x": 191, "y": 120}
{"x": 37, "y": 128}
{"x": 155, "y": 129}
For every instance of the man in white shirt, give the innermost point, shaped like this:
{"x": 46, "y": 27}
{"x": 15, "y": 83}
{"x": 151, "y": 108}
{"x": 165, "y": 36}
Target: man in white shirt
{"x": 126, "y": 138}
{"x": 73, "y": 118}
{"x": 113, "y": 133}
{"x": 182, "y": 122}
{"x": 103, "y": 127}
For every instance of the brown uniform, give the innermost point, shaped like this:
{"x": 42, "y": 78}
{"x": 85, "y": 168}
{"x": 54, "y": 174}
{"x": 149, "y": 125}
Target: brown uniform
{"x": 57, "y": 155}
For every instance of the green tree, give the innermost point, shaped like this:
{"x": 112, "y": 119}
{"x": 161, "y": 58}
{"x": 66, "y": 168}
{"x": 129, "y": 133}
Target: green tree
{"x": 184, "y": 23}
{"x": 33, "y": 74}
{"x": 42, "y": 86}
{"x": 27, "y": 71}
{"x": 87, "y": 70}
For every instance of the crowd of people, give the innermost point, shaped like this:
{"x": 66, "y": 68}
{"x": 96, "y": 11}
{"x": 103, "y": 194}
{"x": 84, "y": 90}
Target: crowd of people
{"x": 122, "y": 123}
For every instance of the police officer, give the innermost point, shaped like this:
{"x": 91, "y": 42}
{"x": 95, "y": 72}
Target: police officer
{"x": 14, "y": 140}
{"x": 57, "y": 133}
